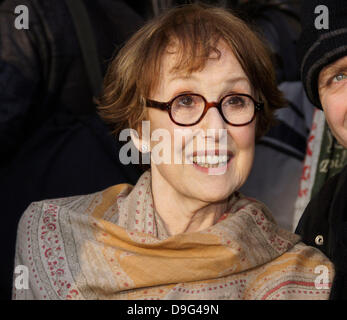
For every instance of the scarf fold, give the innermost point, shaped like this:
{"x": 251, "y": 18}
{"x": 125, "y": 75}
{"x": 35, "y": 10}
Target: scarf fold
{"x": 114, "y": 245}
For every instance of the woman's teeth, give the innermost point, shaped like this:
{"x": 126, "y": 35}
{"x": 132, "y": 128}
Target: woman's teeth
{"x": 211, "y": 161}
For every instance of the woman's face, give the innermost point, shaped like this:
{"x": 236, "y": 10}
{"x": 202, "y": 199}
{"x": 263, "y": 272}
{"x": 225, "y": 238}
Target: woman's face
{"x": 198, "y": 180}
{"x": 332, "y": 84}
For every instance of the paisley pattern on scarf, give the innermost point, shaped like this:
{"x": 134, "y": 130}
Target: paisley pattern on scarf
{"x": 114, "y": 245}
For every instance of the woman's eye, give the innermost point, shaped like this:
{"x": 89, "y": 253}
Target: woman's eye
{"x": 235, "y": 101}
{"x": 339, "y": 77}
{"x": 186, "y": 100}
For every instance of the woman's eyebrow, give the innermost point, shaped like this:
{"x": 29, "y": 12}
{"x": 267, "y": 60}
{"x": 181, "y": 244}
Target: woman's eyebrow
{"x": 182, "y": 77}
{"x": 237, "y": 79}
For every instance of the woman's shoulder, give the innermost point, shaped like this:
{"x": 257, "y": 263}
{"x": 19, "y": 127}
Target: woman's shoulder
{"x": 305, "y": 254}
{"x": 311, "y": 263}
{"x": 299, "y": 253}
{"x": 73, "y": 202}
{"x": 78, "y": 202}
{"x": 301, "y": 273}
{"x": 78, "y": 205}
{"x": 51, "y": 230}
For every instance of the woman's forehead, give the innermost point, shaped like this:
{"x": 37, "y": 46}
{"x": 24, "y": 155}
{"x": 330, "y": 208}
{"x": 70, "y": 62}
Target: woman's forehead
{"x": 218, "y": 69}
{"x": 176, "y": 65}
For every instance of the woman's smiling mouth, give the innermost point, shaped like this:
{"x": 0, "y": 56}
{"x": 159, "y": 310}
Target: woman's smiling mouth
{"x": 211, "y": 162}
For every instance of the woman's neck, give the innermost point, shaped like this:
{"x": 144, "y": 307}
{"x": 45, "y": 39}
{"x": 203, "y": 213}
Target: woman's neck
{"x": 181, "y": 213}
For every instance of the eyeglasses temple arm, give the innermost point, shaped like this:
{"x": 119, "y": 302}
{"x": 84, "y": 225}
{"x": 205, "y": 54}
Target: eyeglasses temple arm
{"x": 157, "y": 105}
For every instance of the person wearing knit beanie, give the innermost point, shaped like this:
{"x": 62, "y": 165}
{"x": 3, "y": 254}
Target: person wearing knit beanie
{"x": 322, "y": 52}
{"x": 323, "y": 40}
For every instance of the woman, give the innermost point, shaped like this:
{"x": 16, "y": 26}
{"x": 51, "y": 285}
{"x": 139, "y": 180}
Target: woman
{"x": 183, "y": 231}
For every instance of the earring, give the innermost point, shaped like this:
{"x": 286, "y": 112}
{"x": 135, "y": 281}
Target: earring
{"x": 144, "y": 148}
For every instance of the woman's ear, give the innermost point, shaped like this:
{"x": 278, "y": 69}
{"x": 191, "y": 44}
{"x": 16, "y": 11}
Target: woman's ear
{"x": 142, "y": 140}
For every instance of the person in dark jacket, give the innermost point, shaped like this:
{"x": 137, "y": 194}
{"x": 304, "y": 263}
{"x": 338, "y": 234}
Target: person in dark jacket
{"x": 52, "y": 142}
{"x": 323, "y": 54}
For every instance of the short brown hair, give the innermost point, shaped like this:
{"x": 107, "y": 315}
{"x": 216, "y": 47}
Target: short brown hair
{"x": 195, "y": 30}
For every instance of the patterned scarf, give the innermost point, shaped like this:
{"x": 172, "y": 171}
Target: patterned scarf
{"x": 114, "y": 245}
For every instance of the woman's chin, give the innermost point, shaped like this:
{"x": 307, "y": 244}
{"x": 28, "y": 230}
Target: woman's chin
{"x": 214, "y": 188}
{"x": 213, "y": 193}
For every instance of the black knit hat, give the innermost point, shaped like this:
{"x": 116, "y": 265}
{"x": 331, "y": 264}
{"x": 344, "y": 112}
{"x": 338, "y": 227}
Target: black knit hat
{"x": 319, "y": 47}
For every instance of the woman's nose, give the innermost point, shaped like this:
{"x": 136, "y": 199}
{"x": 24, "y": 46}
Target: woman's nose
{"x": 215, "y": 130}
{"x": 213, "y": 120}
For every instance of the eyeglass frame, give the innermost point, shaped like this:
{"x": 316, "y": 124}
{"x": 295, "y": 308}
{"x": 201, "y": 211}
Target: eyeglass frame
{"x": 167, "y": 106}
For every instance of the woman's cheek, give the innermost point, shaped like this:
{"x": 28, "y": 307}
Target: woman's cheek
{"x": 243, "y": 137}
